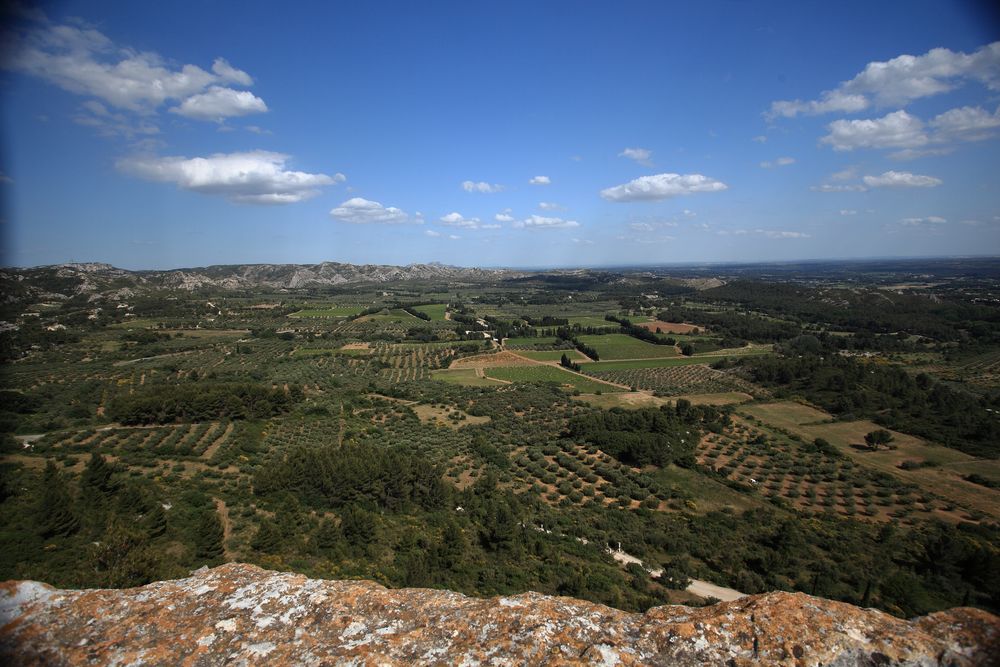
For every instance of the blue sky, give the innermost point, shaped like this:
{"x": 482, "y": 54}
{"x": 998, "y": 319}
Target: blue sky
{"x": 159, "y": 135}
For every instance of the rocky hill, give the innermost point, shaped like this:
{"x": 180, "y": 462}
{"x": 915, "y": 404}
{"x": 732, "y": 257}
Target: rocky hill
{"x": 66, "y": 280}
{"x": 241, "y": 614}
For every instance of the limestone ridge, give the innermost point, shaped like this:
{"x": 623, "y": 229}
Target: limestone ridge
{"x": 240, "y": 614}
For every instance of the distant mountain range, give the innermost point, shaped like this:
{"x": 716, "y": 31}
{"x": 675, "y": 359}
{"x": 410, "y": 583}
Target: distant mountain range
{"x": 68, "y": 280}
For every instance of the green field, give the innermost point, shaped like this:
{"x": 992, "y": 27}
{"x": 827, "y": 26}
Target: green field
{"x": 551, "y": 355}
{"x": 620, "y": 346}
{"x": 549, "y": 374}
{"x": 464, "y": 376}
{"x": 332, "y": 311}
{"x": 530, "y": 342}
{"x": 434, "y": 310}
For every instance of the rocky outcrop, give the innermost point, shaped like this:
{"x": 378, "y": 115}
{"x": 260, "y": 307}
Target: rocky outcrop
{"x": 240, "y": 614}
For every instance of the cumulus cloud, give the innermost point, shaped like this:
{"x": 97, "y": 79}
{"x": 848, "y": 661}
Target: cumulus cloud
{"x": 550, "y": 206}
{"x": 455, "y": 219}
{"x": 907, "y": 132}
{"x": 662, "y": 186}
{"x": 361, "y": 211}
{"x": 504, "y": 216}
{"x": 82, "y": 60}
{"x": 830, "y": 101}
{"x": 255, "y": 177}
{"x": 901, "y": 80}
{"x": 540, "y": 180}
{"x": 219, "y": 103}
{"x": 431, "y": 232}
{"x": 780, "y": 162}
{"x": 966, "y": 124}
{"x": 542, "y": 222}
{"x": 641, "y": 156}
{"x": 901, "y": 179}
{"x": 895, "y": 130}
{"x": 481, "y": 186}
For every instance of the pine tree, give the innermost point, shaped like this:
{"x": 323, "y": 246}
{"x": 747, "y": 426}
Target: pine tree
{"x": 267, "y": 539}
{"x": 57, "y": 518}
{"x": 208, "y": 538}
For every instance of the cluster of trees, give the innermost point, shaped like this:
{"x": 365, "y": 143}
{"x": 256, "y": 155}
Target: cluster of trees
{"x": 104, "y": 528}
{"x": 735, "y": 326}
{"x": 330, "y": 477}
{"x": 569, "y": 336}
{"x": 888, "y": 395}
{"x": 565, "y": 362}
{"x": 865, "y": 311}
{"x": 202, "y": 401}
{"x": 656, "y": 436}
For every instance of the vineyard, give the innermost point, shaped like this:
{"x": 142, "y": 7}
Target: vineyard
{"x": 677, "y": 380}
{"x": 803, "y": 477}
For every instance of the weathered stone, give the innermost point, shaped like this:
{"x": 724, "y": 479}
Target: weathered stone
{"x": 241, "y": 615}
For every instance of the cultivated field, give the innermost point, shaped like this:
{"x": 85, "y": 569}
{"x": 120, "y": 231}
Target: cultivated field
{"x": 546, "y": 373}
{"x": 620, "y": 346}
{"x": 942, "y": 476}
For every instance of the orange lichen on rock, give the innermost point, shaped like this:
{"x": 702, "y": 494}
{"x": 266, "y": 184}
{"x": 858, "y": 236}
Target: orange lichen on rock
{"x": 241, "y": 614}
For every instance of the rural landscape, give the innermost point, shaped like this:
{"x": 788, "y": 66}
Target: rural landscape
{"x": 632, "y": 437}
{"x": 522, "y": 333}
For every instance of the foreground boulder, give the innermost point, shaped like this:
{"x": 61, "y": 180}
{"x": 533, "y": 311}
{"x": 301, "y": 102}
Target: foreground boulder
{"x": 240, "y": 614}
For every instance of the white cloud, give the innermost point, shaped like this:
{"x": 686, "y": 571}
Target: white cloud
{"x": 219, "y": 103}
{"x": 550, "y": 206}
{"x": 431, "y": 232}
{"x": 780, "y": 162}
{"x": 662, "y": 186}
{"x": 455, "y": 219}
{"x": 901, "y": 179}
{"x": 82, "y": 60}
{"x": 848, "y": 211}
{"x": 361, "y": 211}
{"x": 504, "y": 216}
{"x": 583, "y": 241}
{"x": 830, "y": 102}
{"x": 257, "y": 129}
{"x": 230, "y": 74}
{"x": 929, "y": 220}
{"x": 827, "y": 187}
{"x": 481, "y": 186}
{"x": 966, "y": 124}
{"x": 639, "y": 155}
{"x": 901, "y": 80}
{"x": 540, "y": 180}
{"x": 847, "y": 174}
{"x": 454, "y": 237}
{"x": 895, "y": 130}
{"x": 541, "y": 222}
{"x": 255, "y": 177}
{"x": 760, "y": 139}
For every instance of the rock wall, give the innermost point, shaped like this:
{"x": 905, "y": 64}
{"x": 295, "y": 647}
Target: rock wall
{"x": 239, "y": 614}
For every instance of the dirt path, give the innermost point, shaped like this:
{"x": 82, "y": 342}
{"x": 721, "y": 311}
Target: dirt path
{"x": 698, "y": 587}
{"x": 227, "y": 527}
{"x": 214, "y": 447}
